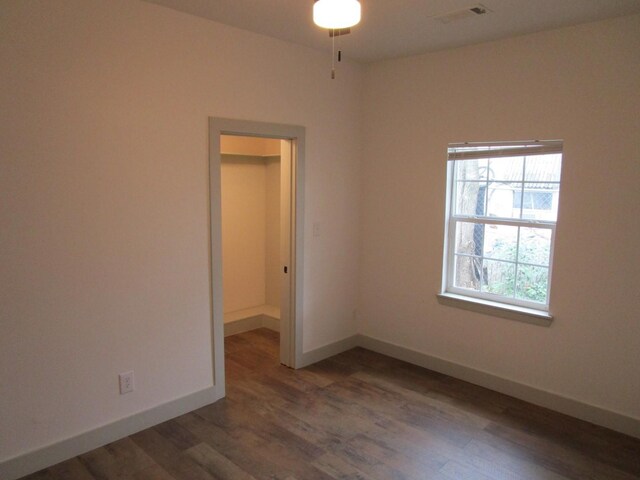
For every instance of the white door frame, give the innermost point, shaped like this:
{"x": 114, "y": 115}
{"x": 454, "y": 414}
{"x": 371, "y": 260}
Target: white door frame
{"x": 291, "y": 347}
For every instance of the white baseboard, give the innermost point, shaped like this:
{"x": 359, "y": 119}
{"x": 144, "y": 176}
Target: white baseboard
{"x": 60, "y": 451}
{"x": 271, "y": 323}
{"x": 266, "y": 309}
{"x": 35, "y": 460}
{"x": 242, "y": 325}
{"x": 569, "y": 406}
{"x": 329, "y": 350}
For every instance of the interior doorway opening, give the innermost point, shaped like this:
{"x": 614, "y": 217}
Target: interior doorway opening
{"x": 248, "y": 299}
{"x": 251, "y": 230}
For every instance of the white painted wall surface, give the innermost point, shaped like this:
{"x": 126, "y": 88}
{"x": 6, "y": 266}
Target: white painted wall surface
{"x": 580, "y": 84}
{"x": 241, "y": 145}
{"x": 104, "y": 201}
{"x": 244, "y": 239}
{"x": 250, "y": 230}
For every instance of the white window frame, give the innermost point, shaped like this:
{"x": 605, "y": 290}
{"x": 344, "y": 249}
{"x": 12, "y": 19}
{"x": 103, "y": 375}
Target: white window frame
{"x": 461, "y": 152}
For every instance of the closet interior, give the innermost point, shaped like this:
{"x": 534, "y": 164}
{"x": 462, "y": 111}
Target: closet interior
{"x": 250, "y": 188}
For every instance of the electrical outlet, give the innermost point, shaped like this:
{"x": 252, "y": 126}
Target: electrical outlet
{"x": 126, "y": 382}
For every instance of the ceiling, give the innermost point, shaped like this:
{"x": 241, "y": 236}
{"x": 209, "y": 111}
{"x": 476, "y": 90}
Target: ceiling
{"x": 396, "y": 28}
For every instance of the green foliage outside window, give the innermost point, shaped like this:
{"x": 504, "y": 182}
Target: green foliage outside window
{"x": 531, "y": 281}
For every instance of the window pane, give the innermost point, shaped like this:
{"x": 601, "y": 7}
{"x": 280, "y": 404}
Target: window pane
{"x": 508, "y": 169}
{"x": 499, "y": 277}
{"x": 469, "y": 238}
{"x": 470, "y": 198}
{"x": 537, "y": 200}
{"x": 500, "y": 242}
{"x": 466, "y": 170}
{"x": 467, "y": 272}
{"x": 540, "y": 201}
{"x": 501, "y": 198}
{"x": 543, "y": 168}
{"x": 532, "y": 283}
{"x": 535, "y": 245}
{"x": 509, "y": 263}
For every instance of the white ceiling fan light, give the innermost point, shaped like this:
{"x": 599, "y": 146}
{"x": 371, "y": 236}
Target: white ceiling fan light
{"x": 336, "y": 14}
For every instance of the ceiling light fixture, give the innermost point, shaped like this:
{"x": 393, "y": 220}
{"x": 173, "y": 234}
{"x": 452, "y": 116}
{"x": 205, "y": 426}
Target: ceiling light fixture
{"x": 338, "y": 16}
{"x": 335, "y": 14}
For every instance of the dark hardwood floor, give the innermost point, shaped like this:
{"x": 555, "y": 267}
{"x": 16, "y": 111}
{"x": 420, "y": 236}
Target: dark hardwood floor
{"x": 356, "y": 416}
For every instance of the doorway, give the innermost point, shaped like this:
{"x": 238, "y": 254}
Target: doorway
{"x": 251, "y": 253}
{"x": 288, "y": 266}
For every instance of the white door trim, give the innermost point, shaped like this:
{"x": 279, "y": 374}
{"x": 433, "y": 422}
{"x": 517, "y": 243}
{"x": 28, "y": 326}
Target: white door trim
{"x": 296, "y": 134}
{"x": 287, "y": 251}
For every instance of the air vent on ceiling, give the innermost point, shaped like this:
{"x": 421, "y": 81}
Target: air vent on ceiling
{"x": 468, "y": 12}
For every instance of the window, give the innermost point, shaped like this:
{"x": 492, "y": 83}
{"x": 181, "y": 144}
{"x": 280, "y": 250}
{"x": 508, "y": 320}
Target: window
{"x": 531, "y": 200}
{"x": 502, "y": 205}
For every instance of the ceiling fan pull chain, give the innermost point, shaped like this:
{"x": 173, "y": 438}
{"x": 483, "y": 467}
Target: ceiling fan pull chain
{"x": 333, "y": 55}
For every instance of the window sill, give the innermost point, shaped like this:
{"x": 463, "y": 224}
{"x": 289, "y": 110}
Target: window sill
{"x": 511, "y": 312}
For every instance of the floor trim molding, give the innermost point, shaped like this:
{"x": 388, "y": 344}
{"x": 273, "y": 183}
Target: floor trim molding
{"x": 328, "y": 350}
{"x": 60, "y": 451}
{"x": 242, "y": 325}
{"x": 569, "y": 406}
{"x": 43, "y": 457}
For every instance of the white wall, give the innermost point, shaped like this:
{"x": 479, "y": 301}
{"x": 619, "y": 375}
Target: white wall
{"x": 580, "y": 84}
{"x": 250, "y": 195}
{"x": 104, "y": 201}
{"x": 244, "y": 239}
{"x": 241, "y": 145}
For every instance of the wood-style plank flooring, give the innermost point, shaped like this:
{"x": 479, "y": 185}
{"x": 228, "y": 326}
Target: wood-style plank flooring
{"x": 356, "y": 416}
